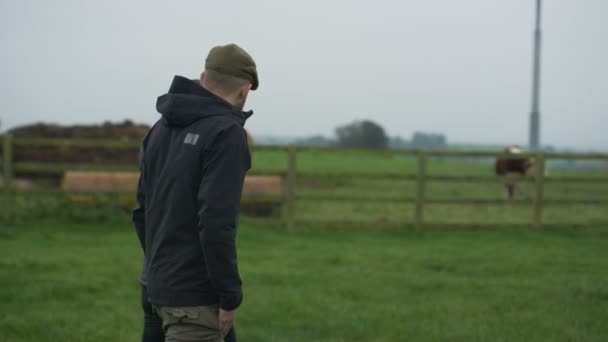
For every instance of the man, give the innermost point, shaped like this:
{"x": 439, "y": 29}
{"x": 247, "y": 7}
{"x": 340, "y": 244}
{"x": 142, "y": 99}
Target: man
{"x": 193, "y": 163}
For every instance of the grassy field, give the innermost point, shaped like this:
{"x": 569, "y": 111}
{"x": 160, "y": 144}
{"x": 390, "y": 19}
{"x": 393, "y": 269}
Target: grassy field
{"x": 77, "y": 282}
{"x": 376, "y": 201}
{"x": 380, "y": 163}
{"x": 322, "y": 176}
{"x": 373, "y": 200}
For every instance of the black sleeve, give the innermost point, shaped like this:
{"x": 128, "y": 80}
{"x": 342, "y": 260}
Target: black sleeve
{"x": 139, "y": 217}
{"x": 225, "y": 163}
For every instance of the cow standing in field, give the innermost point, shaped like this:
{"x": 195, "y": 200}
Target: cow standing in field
{"x": 513, "y": 167}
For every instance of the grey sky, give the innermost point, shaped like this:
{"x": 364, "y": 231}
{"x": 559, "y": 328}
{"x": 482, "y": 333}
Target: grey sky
{"x": 458, "y": 67}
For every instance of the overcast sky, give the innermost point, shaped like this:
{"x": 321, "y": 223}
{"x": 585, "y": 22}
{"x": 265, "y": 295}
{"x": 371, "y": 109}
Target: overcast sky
{"x": 462, "y": 68}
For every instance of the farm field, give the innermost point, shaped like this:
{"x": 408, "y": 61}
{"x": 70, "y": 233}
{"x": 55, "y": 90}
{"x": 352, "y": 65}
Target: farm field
{"x": 339, "y": 187}
{"x": 365, "y": 194}
{"x": 69, "y": 266}
{"x": 414, "y": 171}
{"x": 78, "y": 282}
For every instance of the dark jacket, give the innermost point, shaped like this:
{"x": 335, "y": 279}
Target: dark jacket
{"x": 193, "y": 163}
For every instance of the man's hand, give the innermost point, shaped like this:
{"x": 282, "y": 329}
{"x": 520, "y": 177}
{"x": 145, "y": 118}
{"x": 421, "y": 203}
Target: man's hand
{"x": 226, "y": 319}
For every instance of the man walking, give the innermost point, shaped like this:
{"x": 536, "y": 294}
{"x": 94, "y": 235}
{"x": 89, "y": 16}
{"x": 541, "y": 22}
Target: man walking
{"x": 193, "y": 163}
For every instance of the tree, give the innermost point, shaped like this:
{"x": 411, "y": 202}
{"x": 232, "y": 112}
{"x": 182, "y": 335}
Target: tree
{"x": 361, "y": 134}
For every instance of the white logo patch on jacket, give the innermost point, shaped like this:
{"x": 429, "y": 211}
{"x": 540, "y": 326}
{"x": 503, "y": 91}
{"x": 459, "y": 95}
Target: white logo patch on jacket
{"x": 191, "y": 139}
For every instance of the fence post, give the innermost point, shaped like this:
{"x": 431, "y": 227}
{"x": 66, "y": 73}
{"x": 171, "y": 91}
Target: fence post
{"x": 7, "y": 175}
{"x": 291, "y": 186}
{"x": 539, "y": 180}
{"x": 420, "y": 188}
{"x": 7, "y": 161}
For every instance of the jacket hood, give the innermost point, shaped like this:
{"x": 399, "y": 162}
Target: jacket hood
{"x": 187, "y": 102}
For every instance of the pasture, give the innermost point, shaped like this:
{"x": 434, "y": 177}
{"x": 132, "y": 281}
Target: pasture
{"x": 346, "y": 188}
{"x": 380, "y": 189}
{"x": 69, "y": 268}
{"x": 78, "y": 282}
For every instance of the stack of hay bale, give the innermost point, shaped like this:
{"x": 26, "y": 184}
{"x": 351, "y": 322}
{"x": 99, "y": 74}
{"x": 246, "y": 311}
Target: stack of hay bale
{"x": 261, "y": 194}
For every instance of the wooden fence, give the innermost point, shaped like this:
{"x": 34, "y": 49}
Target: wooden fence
{"x": 291, "y": 173}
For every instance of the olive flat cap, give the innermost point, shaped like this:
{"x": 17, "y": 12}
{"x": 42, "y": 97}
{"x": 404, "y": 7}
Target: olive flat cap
{"x": 232, "y": 60}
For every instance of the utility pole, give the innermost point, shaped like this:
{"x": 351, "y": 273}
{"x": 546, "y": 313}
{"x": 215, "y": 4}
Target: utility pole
{"x": 535, "y": 112}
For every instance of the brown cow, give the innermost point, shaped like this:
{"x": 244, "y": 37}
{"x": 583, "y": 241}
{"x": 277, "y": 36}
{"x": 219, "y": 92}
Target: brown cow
{"x": 512, "y": 167}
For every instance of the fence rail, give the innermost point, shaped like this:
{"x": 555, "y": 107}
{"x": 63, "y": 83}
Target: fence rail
{"x": 291, "y": 174}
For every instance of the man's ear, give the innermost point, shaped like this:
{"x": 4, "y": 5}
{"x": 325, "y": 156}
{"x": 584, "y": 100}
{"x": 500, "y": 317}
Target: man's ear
{"x": 202, "y": 77}
{"x": 245, "y": 90}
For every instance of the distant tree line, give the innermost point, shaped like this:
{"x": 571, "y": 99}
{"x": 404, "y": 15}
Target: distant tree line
{"x": 368, "y": 134}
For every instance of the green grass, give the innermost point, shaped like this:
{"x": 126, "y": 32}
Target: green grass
{"x": 379, "y": 214}
{"x": 380, "y": 201}
{"x": 370, "y": 163}
{"x": 78, "y": 282}
{"x": 376, "y": 210}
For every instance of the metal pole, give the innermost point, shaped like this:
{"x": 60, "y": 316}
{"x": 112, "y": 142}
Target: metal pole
{"x": 535, "y": 112}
